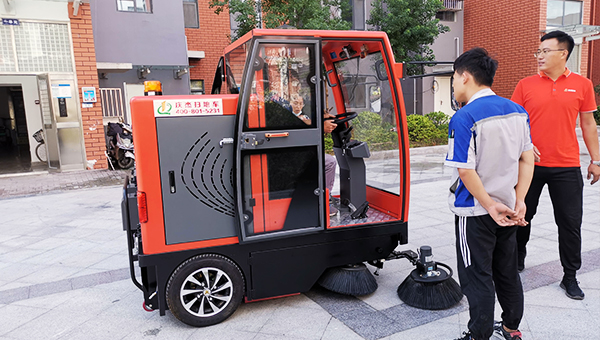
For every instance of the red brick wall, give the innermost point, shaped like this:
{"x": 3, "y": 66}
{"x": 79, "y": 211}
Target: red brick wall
{"x": 510, "y": 31}
{"x": 587, "y": 10}
{"x": 212, "y": 37}
{"x": 594, "y": 49}
{"x": 87, "y": 75}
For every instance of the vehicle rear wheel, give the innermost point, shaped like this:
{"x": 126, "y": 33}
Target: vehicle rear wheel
{"x": 205, "y": 290}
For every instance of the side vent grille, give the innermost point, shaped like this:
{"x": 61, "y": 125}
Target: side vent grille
{"x": 208, "y": 175}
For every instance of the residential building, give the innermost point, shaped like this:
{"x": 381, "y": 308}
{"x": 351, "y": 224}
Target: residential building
{"x": 512, "y": 39}
{"x": 46, "y": 59}
{"x": 67, "y": 68}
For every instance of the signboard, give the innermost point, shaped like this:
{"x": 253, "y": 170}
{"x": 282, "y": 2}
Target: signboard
{"x": 191, "y": 107}
{"x": 8, "y": 21}
{"x": 89, "y": 94}
{"x": 61, "y": 90}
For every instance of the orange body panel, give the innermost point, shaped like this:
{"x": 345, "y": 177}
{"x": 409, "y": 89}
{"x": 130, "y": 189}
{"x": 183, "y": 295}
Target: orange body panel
{"x": 148, "y": 173}
{"x": 383, "y": 201}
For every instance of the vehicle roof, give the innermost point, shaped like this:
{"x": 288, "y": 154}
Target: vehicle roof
{"x": 327, "y": 34}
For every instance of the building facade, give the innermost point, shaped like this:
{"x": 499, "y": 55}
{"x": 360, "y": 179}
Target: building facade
{"x": 45, "y": 63}
{"x": 510, "y": 30}
{"x": 68, "y": 68}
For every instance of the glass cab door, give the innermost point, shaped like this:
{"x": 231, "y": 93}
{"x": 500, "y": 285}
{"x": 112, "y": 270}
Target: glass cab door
{"x": 279, "y": 157}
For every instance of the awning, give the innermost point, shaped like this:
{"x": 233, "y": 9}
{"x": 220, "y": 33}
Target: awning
{"x": 589, "y": 32}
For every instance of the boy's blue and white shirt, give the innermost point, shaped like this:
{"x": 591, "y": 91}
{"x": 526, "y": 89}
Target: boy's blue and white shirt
{"x": 489, "y": 134}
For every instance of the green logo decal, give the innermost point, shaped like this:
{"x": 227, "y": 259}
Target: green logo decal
{"x": 164, "y": 108}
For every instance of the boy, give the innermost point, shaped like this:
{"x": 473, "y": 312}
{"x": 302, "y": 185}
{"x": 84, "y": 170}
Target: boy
{"x": 490, "y": 148}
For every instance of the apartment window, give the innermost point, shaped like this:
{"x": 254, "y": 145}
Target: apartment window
{"x": 564, "y": 12}
{"x": 140, "y": 6}
{"x": 575, "y": 59}
{"x": 446, "y": 16}
{"x": 190, "y": 14}
{"x": 197, "y": 86}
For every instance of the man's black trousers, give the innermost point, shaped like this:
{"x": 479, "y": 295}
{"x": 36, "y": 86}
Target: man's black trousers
{"x": 565, "y": 186}
{"x": 487, "y": 259}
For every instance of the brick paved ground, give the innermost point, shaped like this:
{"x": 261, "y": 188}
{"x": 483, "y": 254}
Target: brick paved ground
{"x": 35, "y": 184}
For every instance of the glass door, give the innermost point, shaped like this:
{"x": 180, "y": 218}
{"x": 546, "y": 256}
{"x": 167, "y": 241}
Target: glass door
{"x": 279, "y": 156}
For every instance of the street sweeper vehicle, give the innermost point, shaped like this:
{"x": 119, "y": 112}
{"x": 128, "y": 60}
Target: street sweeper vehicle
{"x": 229, "y": 197}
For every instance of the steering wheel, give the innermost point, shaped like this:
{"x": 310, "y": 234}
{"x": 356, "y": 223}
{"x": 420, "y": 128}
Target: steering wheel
{"x": 344, "y": 117}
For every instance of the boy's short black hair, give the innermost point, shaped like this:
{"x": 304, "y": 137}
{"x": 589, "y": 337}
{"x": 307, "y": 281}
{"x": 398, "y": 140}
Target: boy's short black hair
{"x": 563, "y": 38}
{"x": 479, "y": 64}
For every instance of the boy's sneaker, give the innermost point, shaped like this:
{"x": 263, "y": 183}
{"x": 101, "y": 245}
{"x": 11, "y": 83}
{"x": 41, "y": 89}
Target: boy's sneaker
{"x": 466, "y": 336}
{"x": 500, "y": 332}
{"x": 571, "y": 287}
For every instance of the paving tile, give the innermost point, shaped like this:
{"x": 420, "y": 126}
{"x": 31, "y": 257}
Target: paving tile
{"x": 337, "y": 330}
{"x": 370, "y": 324}
{"x": 539, "y": 297}
{"x": 560, "y": 323}
{"x": 48, "y": 274}
{"x": 14, "y": 316}
{"x": 304, "y": 323}
{"x": 430, "y": 331}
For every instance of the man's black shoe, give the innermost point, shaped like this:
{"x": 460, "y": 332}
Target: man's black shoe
{"x": 571, "y": 287}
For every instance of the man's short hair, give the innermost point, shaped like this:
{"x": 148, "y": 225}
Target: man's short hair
{"x": 563, "y": 38}
{"x": 479, "y": 64}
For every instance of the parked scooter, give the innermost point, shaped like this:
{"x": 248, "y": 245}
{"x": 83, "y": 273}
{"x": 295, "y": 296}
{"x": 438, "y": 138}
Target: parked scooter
{"x": 119, "y": 145}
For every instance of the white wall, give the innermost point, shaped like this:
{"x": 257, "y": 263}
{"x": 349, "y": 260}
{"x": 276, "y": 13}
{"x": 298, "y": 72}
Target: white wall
{"x": 36, "y": 10}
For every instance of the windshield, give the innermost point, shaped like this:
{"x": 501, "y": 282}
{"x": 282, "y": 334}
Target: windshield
{"x": 366, "y": 90}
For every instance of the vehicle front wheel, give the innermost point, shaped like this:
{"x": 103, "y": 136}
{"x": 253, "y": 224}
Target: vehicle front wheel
{"x": 205, "y": 290}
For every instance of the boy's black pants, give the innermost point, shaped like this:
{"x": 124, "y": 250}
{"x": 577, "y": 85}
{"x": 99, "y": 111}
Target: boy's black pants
{"x": 487, "y": 259}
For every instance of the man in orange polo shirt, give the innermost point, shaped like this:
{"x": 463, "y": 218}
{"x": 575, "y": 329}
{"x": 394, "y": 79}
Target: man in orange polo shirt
{"x": 554, "y": 98}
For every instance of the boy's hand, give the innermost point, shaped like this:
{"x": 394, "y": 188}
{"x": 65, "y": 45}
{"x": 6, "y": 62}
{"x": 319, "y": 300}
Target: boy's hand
{"x": 502, "y": 214}
{"x": 520, "y": 209}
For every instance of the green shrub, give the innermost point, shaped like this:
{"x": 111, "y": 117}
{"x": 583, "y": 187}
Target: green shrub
{"x": 597, "y": 116}
{"x": 379, "y": 135}
{"x": 421, "y": 129}
{"x": 328, "y": 143}
{"x": 438, "y": 118}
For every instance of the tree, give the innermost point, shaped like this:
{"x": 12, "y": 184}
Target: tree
{"x": 410, "y": 25}
{"x": 302, "y": 14}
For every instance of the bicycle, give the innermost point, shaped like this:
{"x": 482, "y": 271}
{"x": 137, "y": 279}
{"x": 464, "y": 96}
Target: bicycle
{"x": 40, "y": 149}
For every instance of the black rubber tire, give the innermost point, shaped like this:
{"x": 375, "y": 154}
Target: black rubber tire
{"x": 189, "y": 267}
{"x": 40, "y": 152}
{"x": 124, "y": 162}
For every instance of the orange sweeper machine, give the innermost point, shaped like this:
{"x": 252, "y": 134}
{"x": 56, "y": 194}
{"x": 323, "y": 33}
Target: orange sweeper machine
{"x": 228, "y": 200}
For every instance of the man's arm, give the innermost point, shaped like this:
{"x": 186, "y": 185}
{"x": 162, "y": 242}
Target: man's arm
{"x": 526, "y": 166}
{"x": 590, "y": 137}
{"x": 498, "y": 211}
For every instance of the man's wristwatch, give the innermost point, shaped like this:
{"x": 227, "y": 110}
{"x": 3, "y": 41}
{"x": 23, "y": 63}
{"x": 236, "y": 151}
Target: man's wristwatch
{"x": 597, "y": 163}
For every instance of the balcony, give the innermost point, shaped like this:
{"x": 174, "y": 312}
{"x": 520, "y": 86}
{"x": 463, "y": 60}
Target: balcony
{"x": 453, "y": 5}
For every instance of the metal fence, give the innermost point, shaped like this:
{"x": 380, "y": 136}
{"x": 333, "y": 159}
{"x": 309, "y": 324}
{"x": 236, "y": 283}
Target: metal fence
{"x": 453, "y": 5}
{"x": 112, "y": 103}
